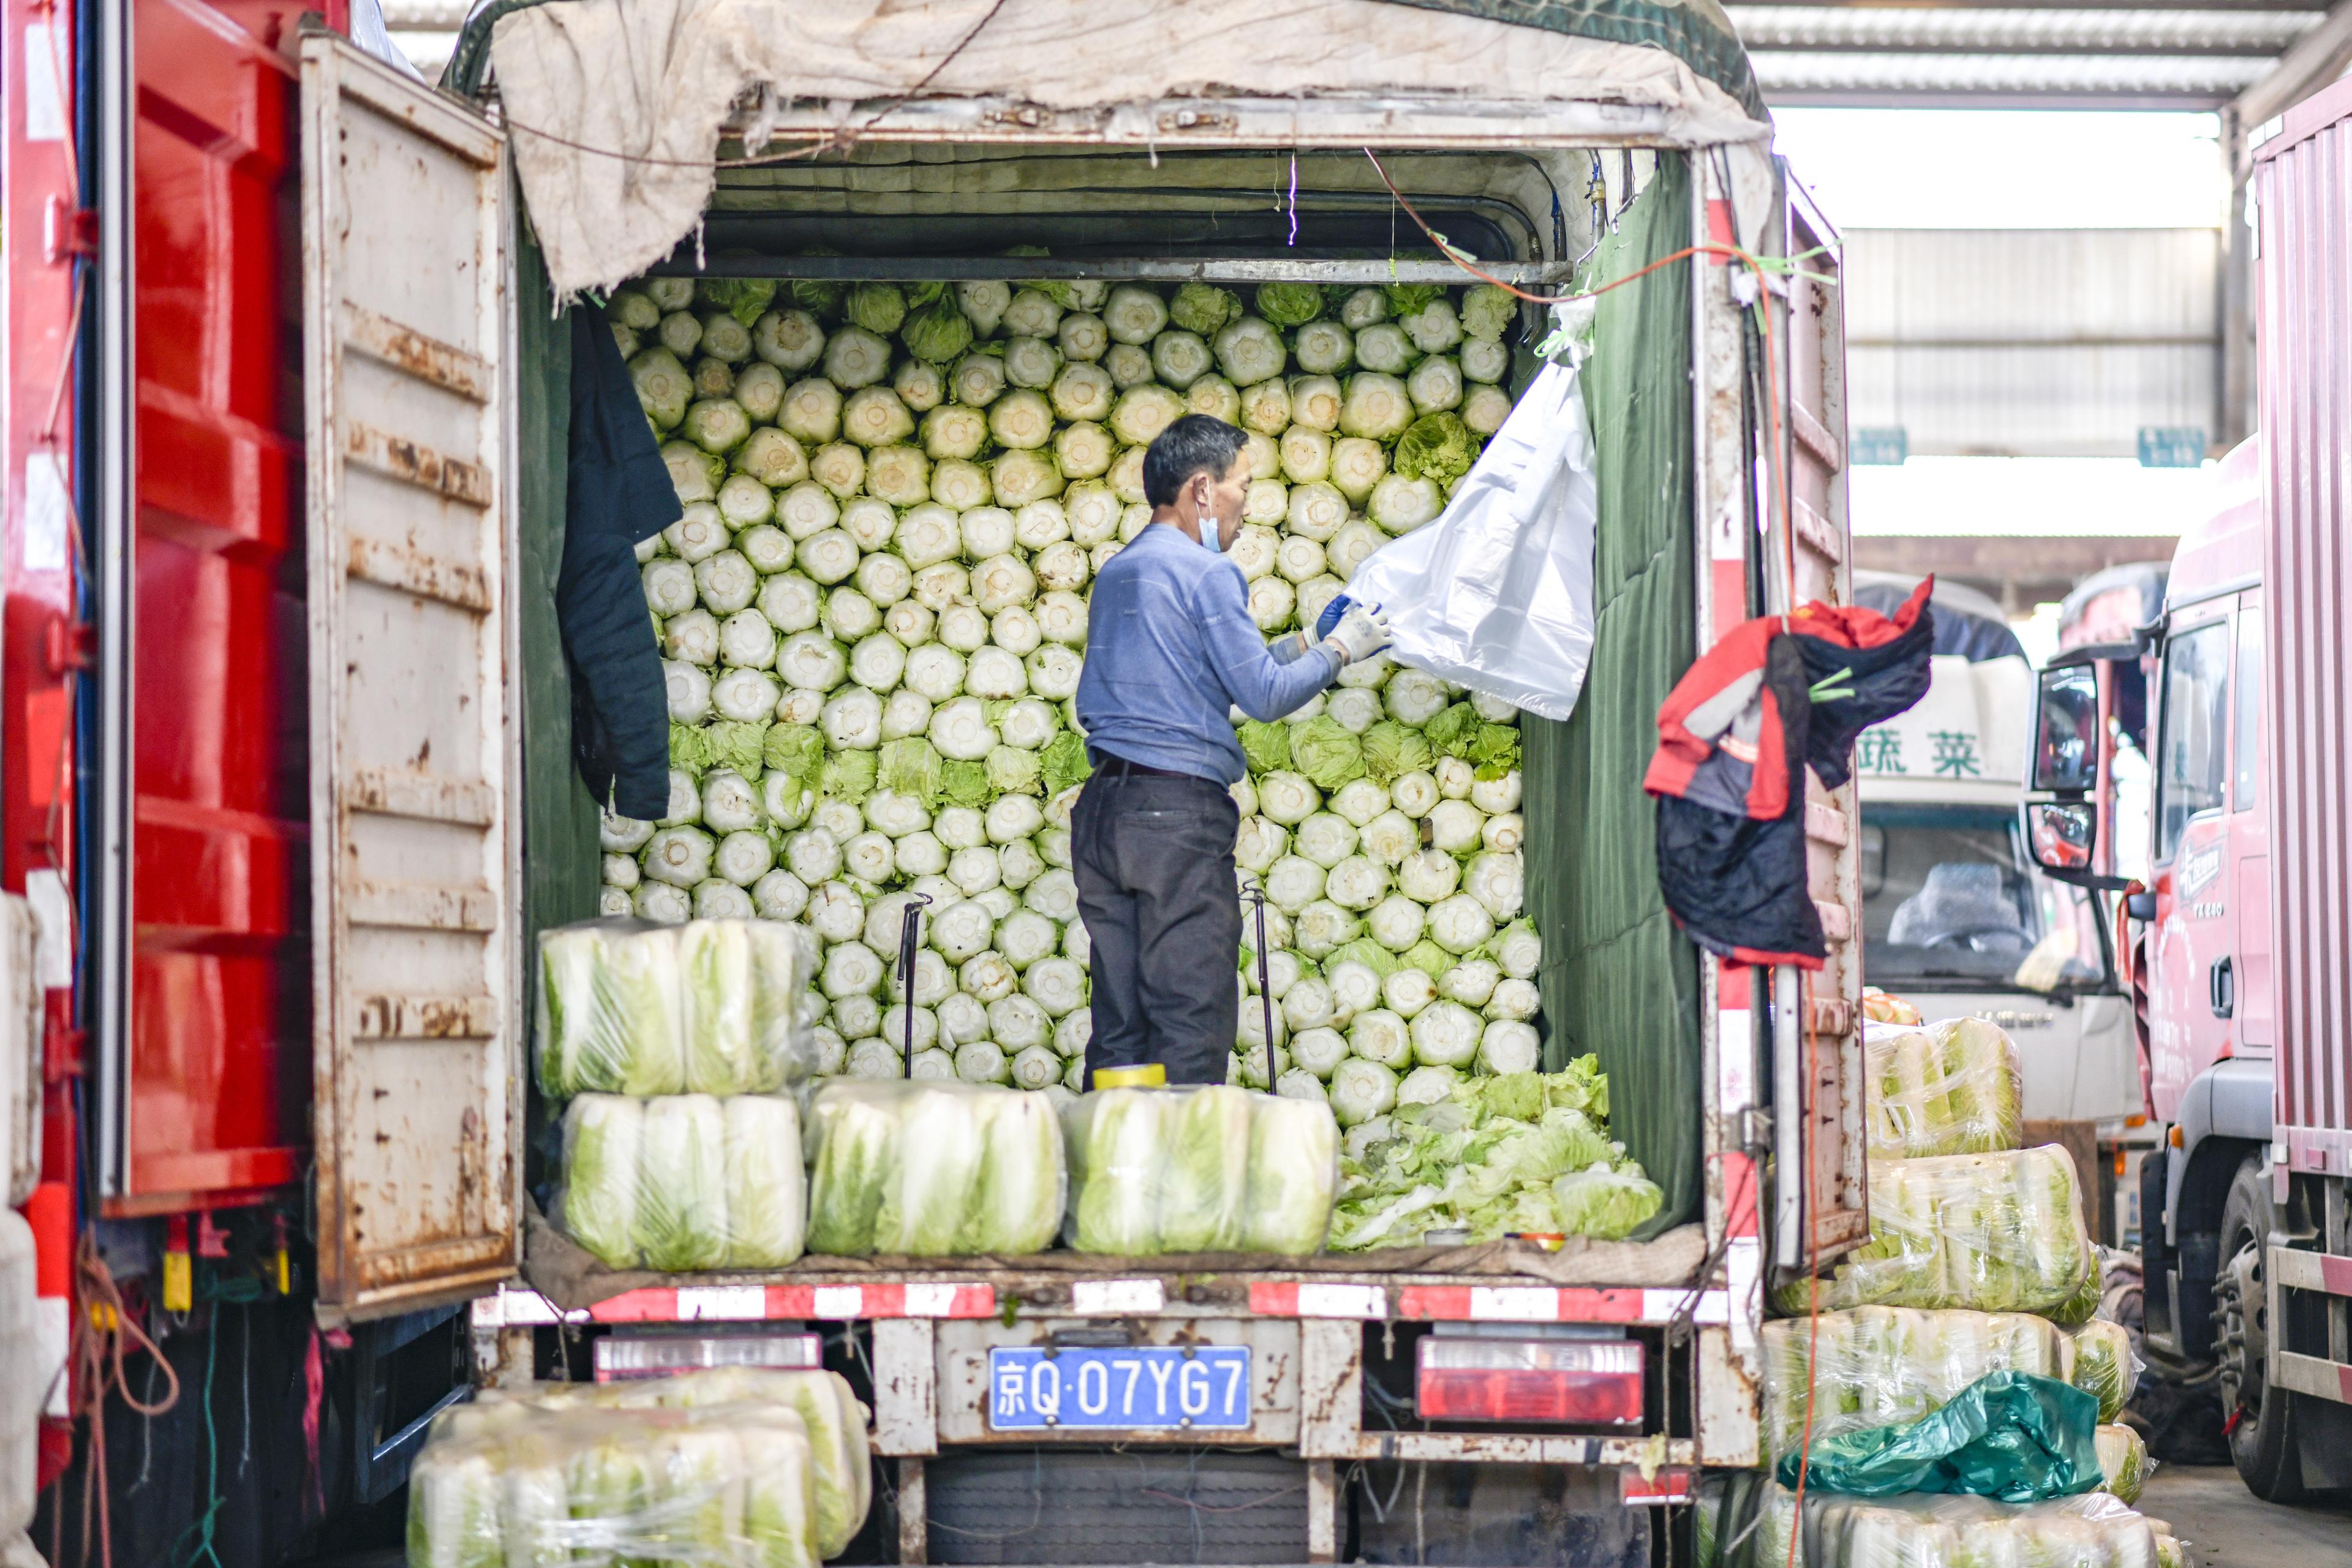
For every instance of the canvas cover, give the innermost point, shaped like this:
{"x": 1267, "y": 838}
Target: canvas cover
{"x": 616, "y": 106}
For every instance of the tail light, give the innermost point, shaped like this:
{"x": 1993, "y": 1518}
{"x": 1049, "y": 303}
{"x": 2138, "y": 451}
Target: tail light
{"x": 621, "y": 1357}
{"x": 1580, "y": 1383}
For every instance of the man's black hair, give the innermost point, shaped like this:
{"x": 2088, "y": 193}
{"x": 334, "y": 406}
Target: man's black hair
{"x": 1196, "y": 443}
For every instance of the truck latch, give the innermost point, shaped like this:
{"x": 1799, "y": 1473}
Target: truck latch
{"x": 67, "y": 231}
{"x": 72, "y": 645}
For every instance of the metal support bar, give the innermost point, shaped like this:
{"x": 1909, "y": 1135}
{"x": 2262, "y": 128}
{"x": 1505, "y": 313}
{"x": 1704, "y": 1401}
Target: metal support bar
{"x": 1322, "y": 1511}
{"x": 1015, "y": 270}
{"x": 1788, "y": 1121}
{"x": 914, "y": 1514}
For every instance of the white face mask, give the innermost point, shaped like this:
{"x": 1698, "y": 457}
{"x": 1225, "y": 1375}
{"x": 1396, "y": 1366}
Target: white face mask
{"x": 1213, "y": 531}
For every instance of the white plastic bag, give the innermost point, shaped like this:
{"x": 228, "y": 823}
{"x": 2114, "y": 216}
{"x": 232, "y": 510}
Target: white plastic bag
{"x": 1496, "y": 593}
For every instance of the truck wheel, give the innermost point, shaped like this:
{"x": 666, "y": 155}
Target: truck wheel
{"x": 2262, "y": 1429}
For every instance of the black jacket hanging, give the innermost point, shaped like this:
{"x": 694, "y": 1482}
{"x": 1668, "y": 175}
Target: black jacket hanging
{"x": 1773, "y": 696}
{"x": 620, "y": 493}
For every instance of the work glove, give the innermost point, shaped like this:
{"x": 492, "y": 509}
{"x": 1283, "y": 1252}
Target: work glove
{"x": 1326, "y": 623}
{"x": 1362, "y": 632}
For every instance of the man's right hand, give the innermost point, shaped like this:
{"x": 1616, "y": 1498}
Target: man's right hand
{"x": 1362, "y": 632}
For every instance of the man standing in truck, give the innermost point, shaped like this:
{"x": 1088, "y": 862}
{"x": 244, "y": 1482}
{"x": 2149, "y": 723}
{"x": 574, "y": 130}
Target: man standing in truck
{"x": 1171, "y": 648}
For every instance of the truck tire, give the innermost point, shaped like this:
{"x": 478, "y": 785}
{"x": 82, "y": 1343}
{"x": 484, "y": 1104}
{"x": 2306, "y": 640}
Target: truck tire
{"x": 1171, "y": 1506}
{"x": 2263, "y": 1430}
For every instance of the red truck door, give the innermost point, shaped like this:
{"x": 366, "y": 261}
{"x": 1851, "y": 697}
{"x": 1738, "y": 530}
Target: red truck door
{"x": 201, "y": 990}
{"x": 416, "y": 972}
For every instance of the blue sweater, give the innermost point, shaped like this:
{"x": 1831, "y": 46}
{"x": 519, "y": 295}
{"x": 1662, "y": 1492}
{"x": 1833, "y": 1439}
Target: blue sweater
{"x": 1170, "y": 647}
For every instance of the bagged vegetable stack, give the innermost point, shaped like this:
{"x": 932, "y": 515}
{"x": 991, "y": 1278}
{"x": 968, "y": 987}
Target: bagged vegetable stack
{"x": 1953, "y": 1088}
{"x": 668, "y": 1043}
{"x": 1998, "y": 1232}
{"x": 932, "y": 1170}
{"x": 2093, "y": 1531}
{"x": 734, "y": 1468}
{"x": 1199, "y": 1170}
{"x": 874, "y": 611}
{"x": 1877, "y": 1366}
{"x": 1522, "y": 1152}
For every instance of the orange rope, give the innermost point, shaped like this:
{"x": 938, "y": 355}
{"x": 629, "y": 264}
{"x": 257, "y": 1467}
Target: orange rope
{"x": 104, "y": 1326}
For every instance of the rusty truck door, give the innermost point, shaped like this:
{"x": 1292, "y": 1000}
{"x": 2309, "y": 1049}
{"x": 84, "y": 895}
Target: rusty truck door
{"x": 414, "y": 874}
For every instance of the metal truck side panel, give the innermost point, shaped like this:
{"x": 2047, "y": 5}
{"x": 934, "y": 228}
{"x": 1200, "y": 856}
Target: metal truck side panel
{"x": 2304, "y": 190}
{"x": 414, "y": 874}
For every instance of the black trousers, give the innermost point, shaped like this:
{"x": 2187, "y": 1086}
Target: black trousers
{"x": 1154, "y": 861}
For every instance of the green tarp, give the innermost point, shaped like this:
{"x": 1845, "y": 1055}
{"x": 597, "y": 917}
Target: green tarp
{"x": 1618, "y": 979}
{"x": 1696, "y": 32}
{"x": 559, "y": 823}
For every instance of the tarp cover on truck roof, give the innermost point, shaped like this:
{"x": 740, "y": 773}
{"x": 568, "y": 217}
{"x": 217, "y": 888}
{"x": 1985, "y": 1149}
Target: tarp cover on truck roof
{"x": 630, "y": 96}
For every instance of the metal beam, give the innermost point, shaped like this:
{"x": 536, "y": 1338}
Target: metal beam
{"x": 2317, "y": 59}
{"x": 1902, "y": 77}
{"x": 2020, "y": 30}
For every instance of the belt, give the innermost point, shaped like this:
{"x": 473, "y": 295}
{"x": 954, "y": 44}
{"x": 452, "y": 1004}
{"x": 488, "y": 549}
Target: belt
{"x": 1119, "y": 767}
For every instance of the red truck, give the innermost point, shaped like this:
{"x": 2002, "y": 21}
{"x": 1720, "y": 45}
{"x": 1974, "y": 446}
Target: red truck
{"x": 2238, "y": 957}
{"x": 285, "y": 766}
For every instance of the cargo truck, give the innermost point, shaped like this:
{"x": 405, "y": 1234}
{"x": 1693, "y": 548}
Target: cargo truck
{"x": 2235, "y": 963}
{"x": 290, "y": 768}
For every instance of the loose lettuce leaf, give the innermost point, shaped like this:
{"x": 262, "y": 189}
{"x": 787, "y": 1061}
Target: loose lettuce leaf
{"x": 794, "y": 749}
{"x": 1063, "y": 763}
{"x": 848, "y": 775}
{"x": 1610, "y": 1204}
{"x": 1392, "y": 749}
{"x": 689, "y": 748}
{"x": 1327, "y": 752}
{"x": 910, "y": 767}
{"x": 965, "y": 784}
{"x": 1265, "y": 746}
{"x": 737, "y": 743}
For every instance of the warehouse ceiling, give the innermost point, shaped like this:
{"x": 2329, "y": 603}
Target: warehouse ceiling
{"x": 2163, "y": 54}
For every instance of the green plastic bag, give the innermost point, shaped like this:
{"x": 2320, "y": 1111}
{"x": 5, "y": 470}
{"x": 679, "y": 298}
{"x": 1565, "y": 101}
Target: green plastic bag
{"x": 2009, "y": 1435}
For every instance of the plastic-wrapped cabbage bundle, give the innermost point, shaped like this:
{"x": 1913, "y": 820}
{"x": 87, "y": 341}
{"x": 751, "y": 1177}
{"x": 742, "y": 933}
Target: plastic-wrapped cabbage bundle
{"x": 933, "y": 1169}
{"x": 683, "y": 1182}
{"x": 730, "y": 1486}
{"x": 2106, "y": 1366}
{"x": 832, "y": 1415}
{"x": 1998, "y": 1233}
{"x": 1953, "y": 1088}
{"x": 2122, "y": 1459}
{"x": 1875, "y": 1366}
{"x": 2093, "y": 1531}
{"x": 1213, "y": 1169}
{"x": 627, "y": 1006}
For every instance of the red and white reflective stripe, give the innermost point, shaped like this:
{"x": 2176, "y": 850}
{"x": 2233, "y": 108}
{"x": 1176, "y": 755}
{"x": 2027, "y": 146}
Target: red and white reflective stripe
{"x": 518, "y": 1308}
{"x": 1549, "y": 1304}
{"x": 1318, "y": 1299}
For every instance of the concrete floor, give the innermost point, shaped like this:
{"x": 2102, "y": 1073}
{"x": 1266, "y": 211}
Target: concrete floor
{"x": 2226, "y": 1526}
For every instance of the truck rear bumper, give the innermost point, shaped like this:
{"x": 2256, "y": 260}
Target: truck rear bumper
{"x": 2328, "y": 1277}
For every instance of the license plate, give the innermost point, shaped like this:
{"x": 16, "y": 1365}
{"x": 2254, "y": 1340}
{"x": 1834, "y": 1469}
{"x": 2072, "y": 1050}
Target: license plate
{"x": 1140, "y": 1387}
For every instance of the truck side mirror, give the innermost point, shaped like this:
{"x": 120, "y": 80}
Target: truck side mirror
{"x": 2066, "y": 731}
{"x": 2061, "y": 835}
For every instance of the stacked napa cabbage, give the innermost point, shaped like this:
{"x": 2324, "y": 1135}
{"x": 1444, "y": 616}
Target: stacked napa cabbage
{"x": 707, "y": 1007}
{"x": 1880, "y": 1366}
{"x": 873, "y": 614}
{"x": 1994, "y": 1233}
{"x": 1520, "y": 1153}
{"x": 2093, "y": 1531}
{"x": 683, "y": 1182}
{"x": 732, "y": 1468}
{"x": 1953, "y": 1088}
{"x": 932, "y": 1170}
{"x": 1157, "y": 1171}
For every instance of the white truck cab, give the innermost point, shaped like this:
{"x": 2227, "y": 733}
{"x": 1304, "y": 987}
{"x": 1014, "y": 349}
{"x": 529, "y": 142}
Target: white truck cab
{"x": 1955, "y": 916}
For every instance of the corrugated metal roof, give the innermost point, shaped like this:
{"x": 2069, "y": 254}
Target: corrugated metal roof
{"x": 2160, "y": 54}
{"x": 2033, "y": 342}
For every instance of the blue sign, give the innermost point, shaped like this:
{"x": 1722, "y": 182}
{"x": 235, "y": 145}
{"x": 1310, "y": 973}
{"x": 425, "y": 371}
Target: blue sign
{"x": 1204, "y": 1386}
{"x": 2171, "y": 446}
{"x": 1883, "y": 447}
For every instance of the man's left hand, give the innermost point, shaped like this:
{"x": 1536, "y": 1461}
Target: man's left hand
{"x": 1362, "y": 632}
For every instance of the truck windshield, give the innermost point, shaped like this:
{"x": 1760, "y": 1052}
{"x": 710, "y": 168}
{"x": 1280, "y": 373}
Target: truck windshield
{"x": 1950, "y": 902}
